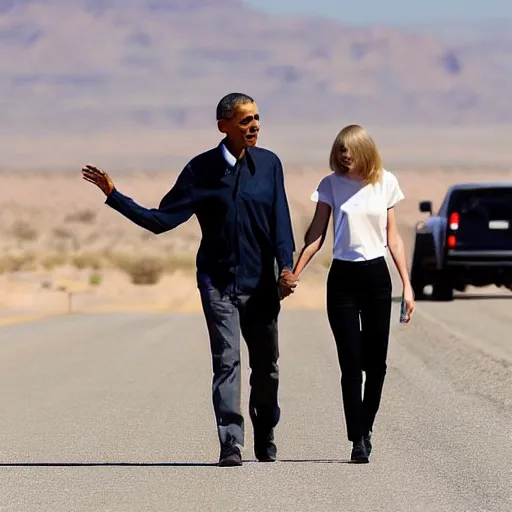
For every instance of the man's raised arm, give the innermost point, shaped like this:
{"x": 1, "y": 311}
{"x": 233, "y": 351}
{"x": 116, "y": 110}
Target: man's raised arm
{"x": 175, "y": 208}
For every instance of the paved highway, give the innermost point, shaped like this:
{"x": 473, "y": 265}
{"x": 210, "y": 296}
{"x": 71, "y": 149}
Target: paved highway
{"x": 108, "y": 413}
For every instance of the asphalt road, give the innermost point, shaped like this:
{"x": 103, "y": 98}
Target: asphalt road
{"x": 112, "y": 413}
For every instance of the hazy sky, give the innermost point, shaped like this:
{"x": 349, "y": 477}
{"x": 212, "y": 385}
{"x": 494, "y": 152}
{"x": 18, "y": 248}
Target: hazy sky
{"x": 392, "y": 11}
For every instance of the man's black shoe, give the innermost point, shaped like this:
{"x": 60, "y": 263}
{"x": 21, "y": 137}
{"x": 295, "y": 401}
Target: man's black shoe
{"x": 368, "y": 443}
{"x": 265, "y": 448}
{"x": 230, "y": 457}
{"x": 359, "y": 454}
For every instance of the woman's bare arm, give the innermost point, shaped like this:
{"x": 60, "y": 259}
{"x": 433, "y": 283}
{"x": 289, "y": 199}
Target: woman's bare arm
{"x": 314, "y": 238}
{"x": 397, "y": 250}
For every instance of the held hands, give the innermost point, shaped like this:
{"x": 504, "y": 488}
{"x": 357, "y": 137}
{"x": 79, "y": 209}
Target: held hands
{"x": 287, "y": 283}
{"x": 100, "y": 178}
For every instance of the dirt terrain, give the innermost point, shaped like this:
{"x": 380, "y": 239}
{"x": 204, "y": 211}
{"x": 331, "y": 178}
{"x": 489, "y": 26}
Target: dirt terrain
{"x": 62, "y": 248}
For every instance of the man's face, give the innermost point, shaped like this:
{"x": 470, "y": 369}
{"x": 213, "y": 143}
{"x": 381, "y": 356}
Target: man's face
{"x": 243, "y": 128}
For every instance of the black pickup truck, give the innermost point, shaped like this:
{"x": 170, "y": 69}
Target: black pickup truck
{"x": 467, "y": 243}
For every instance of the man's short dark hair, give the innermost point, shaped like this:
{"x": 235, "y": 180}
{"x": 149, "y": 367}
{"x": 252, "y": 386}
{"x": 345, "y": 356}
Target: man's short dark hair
{"x": 227, "y": 105}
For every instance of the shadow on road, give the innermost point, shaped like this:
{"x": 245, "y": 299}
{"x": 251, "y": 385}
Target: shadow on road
{"x": 319, "y": 461}
{"x": 156, "y": 464}
{"x": 95, "y": 464}
{"x": 476, "y": 296}
{"x": 466, "y": 296}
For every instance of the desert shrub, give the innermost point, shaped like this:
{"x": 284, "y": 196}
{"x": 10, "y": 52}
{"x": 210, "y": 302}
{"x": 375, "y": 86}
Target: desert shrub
{"x": 24, "y": 231}
{"x": 87, "y": 260}
{"x": 149, "y": 269}
{"x": 95, "y": 279}
{"x": 64, "y": 234}
{"x": 53, "y": 260}
{"x": 18, "y": 262}
{"x": 82, "y": 217}
{"x": 91, "y": 238}
{"x": 141, "y": 270}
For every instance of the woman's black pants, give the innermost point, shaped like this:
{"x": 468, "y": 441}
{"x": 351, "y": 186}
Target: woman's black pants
{"x": 359, "y": 312}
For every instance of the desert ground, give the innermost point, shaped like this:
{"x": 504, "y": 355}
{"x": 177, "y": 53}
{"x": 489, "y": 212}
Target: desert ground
{"x": 62, "y": 249}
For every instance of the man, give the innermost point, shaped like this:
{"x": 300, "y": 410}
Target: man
{"x": 236, "y": 190}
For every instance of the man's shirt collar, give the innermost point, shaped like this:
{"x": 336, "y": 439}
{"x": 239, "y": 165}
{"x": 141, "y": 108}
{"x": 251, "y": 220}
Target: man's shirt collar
{"x": 230, "y": 159}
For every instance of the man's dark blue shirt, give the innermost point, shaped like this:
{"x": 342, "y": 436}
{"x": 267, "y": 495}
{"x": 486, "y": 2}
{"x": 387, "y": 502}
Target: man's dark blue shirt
{"x": 242, "y": 211}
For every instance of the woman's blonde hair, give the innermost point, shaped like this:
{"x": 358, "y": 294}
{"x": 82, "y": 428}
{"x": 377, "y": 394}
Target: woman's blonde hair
{"x": 362, "y": 151}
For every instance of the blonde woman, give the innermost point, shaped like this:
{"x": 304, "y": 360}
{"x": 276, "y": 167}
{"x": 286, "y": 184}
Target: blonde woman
{"x": 361, "y": 196}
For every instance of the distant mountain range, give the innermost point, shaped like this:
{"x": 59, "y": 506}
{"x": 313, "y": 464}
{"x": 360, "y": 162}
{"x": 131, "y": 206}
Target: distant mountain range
{"x": 82, "y": 67}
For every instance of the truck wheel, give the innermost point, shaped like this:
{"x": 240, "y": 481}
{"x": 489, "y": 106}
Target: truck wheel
{"x": 418, "y": 277}
{"x": 417, "y": 281}
{"x": 442, "y": 291}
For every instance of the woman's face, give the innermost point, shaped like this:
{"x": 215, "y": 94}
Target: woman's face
{"x": 346, "y": 160}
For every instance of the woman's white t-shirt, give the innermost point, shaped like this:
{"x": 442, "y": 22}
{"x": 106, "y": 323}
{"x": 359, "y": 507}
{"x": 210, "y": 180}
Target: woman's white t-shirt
{"x": 359, "y": 214}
